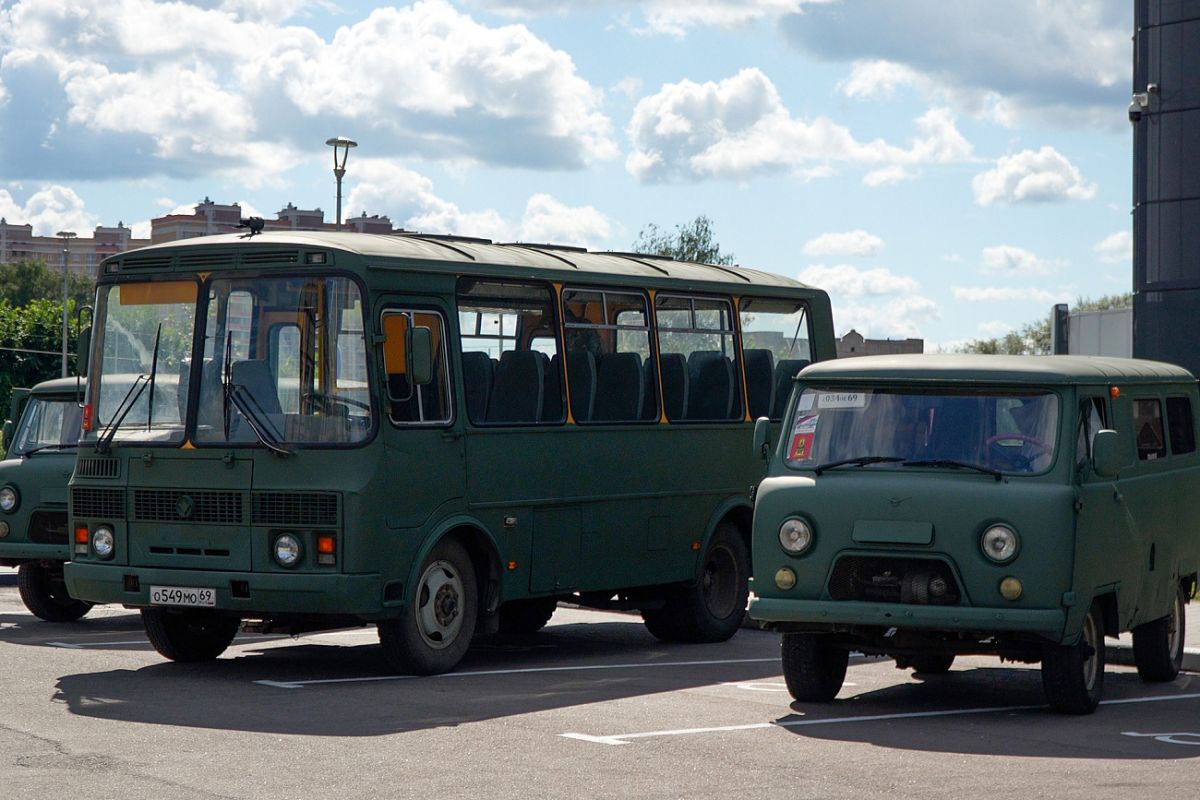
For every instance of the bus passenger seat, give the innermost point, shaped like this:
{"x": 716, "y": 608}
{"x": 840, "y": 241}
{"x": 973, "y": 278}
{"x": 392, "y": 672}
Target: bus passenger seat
{"x": 619, "y": 387}
{"x": 675, "y": 385}
{"x": 254, "y": 377}
{"x": 477, "y": 383}
{"x": 785, "y": 370}
{"x": 581, "y": 375}
{"x": 760, "y": 381}
{"x": 710, "y": 385}
{"x": 552, "y": 385}
{"x": 517, "y": 393}
{"x": 649, "y": 390}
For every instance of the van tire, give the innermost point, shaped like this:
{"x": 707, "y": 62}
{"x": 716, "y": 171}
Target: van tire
{"x": 432, "y": 634}
{"x": 932, "y": 663}
{"x": 45, "y": 595}
{"x": 712, "y": 608}
{"x": 189, "y": 635}
{"x": 813, "y": 669}
{"x": 1073, "y": 675}
{"x": 525, "y": 617}
{"x": 1158, "y": 644}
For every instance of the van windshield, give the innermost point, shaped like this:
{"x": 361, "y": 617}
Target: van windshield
{"x": 47, "y": 424}
{"x": 1006, "y": 431}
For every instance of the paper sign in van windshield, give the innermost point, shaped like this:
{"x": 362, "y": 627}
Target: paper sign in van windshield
{"x": 803, "y": 433}
{"x": 842, "y": 400}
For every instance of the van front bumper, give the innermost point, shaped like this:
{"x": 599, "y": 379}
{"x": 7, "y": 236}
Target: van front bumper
{"x": 1048, "y": 623}
{"x": 268, "y": 593}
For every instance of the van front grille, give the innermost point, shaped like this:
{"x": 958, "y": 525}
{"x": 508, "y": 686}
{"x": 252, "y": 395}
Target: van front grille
{"x": 48, "y": 527}
{"x": 185, "y": 505}
{"x": 89, "y": 502}
{"x": 913, "y": 581}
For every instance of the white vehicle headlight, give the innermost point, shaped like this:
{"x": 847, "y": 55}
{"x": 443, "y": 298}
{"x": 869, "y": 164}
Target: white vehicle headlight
{"x": 795, "y": 536}
{"x": 287, "y": 550}
{"x": 9, "y": 499}
{"x": 999, "y": 543}
{"x": 103, "y": 542}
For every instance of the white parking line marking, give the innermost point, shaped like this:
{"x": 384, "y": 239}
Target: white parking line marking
{"x": 624, "y": 738}
{"x": 82, "y": 645}
{"x": 525, "y": 671}
{"x": 1183, "y": 737}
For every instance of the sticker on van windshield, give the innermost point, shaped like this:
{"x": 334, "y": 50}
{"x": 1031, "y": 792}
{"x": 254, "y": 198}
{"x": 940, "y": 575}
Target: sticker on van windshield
{"x": 803, "y": 434}
{"x": 842, "y": 400}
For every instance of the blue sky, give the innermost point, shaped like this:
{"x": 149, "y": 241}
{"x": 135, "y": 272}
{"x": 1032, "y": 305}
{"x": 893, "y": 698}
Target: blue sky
{"x": 944, "y": 170}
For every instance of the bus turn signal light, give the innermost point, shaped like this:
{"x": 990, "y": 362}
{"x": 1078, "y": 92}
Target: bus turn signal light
{"x": 326, "y": 549}
{"x": 81, "y": 540}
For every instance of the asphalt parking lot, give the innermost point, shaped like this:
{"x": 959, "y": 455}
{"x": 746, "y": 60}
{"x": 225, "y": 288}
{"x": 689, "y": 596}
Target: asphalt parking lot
{"x": 591, "y": 707}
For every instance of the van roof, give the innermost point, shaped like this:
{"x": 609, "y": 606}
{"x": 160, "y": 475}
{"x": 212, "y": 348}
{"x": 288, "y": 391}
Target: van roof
{"x": 68, "y": 387}
{"x": 435, "y": 253}
{"x": 1059, "y": 370}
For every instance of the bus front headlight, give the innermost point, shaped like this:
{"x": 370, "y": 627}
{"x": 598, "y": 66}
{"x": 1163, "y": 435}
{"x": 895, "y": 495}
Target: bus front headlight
{"x": 9, "y": 500}
{"x": 103, "y": 542}
{"x": 287, "y": 550}
{"x": 795, "y": 536}
{"x": 999, "y": 543}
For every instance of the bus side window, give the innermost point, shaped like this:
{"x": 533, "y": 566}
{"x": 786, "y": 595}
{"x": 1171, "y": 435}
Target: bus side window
{"x": 424, "y": 403}
{"x": 608, "y": 350}
{"x": 776, "y": 344}
{"x": 699, "y": 332}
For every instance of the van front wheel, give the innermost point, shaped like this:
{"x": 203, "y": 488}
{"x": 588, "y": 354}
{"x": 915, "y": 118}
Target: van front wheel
{"x": 45, "y": 595}
{"x": 813, "y": 669}
{"x": 1073, "y": 675}
{"x": 1158, "y": 645}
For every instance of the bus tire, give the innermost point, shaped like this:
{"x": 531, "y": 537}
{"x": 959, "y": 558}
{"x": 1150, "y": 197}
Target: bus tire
{"x": 1158, "y": 645}
{"x": 1073, "y": 675}
{"x": 524, "y": 617}
{"x": 712, "y": 608}
{"x": 433, "y": 632}
{"x": 45, "y": 595}
{"x": 813, "y": 669}
{"x": 190, "y": 635}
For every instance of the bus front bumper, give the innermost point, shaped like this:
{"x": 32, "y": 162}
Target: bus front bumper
{"x": 256, "y": 593}
{"x": 1048, "y": 623}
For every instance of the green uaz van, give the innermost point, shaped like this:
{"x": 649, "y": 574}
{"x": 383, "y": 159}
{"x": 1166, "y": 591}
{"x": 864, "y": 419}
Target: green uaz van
{"x": 925, "y": 507}
{"x": 40, "y": 437}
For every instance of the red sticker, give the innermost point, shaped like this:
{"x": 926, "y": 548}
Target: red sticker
{"x": 802, "y": 447}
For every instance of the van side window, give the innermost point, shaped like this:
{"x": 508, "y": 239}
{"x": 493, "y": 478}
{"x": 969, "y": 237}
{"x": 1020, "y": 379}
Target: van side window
{"x": 1092, "y": 418}
{"x": 1148, "y": 429}
{"x": 1179, "y": 425}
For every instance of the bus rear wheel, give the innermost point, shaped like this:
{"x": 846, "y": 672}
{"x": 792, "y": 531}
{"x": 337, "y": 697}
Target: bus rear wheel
{"x": 189, "y": 635}
{"x": 44, "y": 593}
{"x": 433, "y": 632}
{"x": 711, "y": 609}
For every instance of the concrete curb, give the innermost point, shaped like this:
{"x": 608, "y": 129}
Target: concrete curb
{"x": 1123, "y": 654}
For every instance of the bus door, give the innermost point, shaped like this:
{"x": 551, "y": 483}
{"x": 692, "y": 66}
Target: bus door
{"x": 424, "y": 446}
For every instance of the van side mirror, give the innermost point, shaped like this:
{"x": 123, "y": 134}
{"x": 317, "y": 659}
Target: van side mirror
{"x": 762, "y": 438}
{"x": 1106, "y": 453}
{"x": 83, "y": 346}
{"x": 8, "y": 432}
{"x": 420, "y": 355}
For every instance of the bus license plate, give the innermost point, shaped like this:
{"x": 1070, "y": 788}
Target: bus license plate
{"x": 183, "y": 596}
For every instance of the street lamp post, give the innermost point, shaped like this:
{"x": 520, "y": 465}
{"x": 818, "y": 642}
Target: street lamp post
{"x": 66, "y": 236}
{"x": 342, "y": 145}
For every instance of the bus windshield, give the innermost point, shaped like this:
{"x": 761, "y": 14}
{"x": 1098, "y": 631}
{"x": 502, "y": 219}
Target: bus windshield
{"x": 1011, "y": 432}
{"x": 47, "y": 424}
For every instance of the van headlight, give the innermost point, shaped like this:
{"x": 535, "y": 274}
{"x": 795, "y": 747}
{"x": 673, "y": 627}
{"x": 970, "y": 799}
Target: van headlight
{"x": 999, "y": 543}
{"x": 795, "y": 536}
{"x": 9, "y": 500}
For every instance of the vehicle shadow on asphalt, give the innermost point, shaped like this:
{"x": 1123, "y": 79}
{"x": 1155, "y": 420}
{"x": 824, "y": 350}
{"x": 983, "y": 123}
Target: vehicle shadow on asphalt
{"x": 946, "y": 714}
{"x": 562, "y": 666}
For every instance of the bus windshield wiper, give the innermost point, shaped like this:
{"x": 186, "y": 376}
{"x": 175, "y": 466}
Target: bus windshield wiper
{"x": 950, "y": 462}
{"x": 153, "y": 373}
{"x": 861, "y": 461}
{"x": 127, "y": 403}
{"x": 255, "y": 417}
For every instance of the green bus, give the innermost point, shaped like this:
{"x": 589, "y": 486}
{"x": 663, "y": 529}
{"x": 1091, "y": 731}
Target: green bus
{"x": 440, "y": 436}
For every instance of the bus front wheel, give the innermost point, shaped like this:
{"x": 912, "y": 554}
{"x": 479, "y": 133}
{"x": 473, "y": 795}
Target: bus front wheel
{"x": 712, "y": 608}
{"x": 433, "y": 633}
{"x": 44, "y": 593}
{"x": 189, "y": 635}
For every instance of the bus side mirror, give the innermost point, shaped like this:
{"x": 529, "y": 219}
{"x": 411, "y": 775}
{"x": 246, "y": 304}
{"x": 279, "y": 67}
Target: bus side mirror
{"x": 419, "y": 347}
{"x": 83, "y": 346}
{"x": 762, "y": 438}
{"x": 1106, "y": 454}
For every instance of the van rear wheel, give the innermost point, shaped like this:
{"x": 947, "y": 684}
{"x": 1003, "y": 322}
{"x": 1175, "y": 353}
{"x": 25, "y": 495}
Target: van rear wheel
{"x": 1073, "y": 675}
{"x": 44, "y": 593}
{"x": 712, "y": 608}
{"x": 189, "y": 635}
{"x": 1158, "y": 645}
{"x": 813, "y": 669}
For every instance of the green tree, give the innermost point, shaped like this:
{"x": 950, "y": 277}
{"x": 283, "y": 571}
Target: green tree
{"x": 30, "y": 346}
{"x": 1033, "y": 338}
{"x": 694, "y": 241}
{"x": 24, "y": 281}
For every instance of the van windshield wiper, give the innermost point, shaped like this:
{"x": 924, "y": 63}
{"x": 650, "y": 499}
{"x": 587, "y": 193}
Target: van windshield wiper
{"x": 861, "y": 461}
{"x": 950, "y": 462}
{"x": 47, "y": 447}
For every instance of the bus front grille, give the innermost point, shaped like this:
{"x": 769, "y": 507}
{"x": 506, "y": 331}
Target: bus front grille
{"x": 184, "y": 505}
{"x": 914, "y": 581}
{"x": 97, "y": 468}
{"x": 89, "y": 502}
{"x": 306, "y": 509}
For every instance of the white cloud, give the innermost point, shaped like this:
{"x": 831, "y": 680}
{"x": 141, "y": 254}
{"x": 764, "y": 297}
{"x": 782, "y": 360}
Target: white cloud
{"x": 739, "y": 127}
{"x": 850, "y": 243}
{"x": 875, "y": 302}
{"x": 1010, "y": 260}
{"x": 1115, "y": 249}
{"x": 1032, "y": 176}
{"x": 671, "y": 17}
{"x": 899, "y": 318}
{"x": 852, "y": 282}
{"x": 878, "y": 79}
{"x": 888, "y": 176}
{"x": 995, "y": 294}
{"x": 548, "y": 220}
{"x": 995, "y": 328}
{"x": 50, "y": 209}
